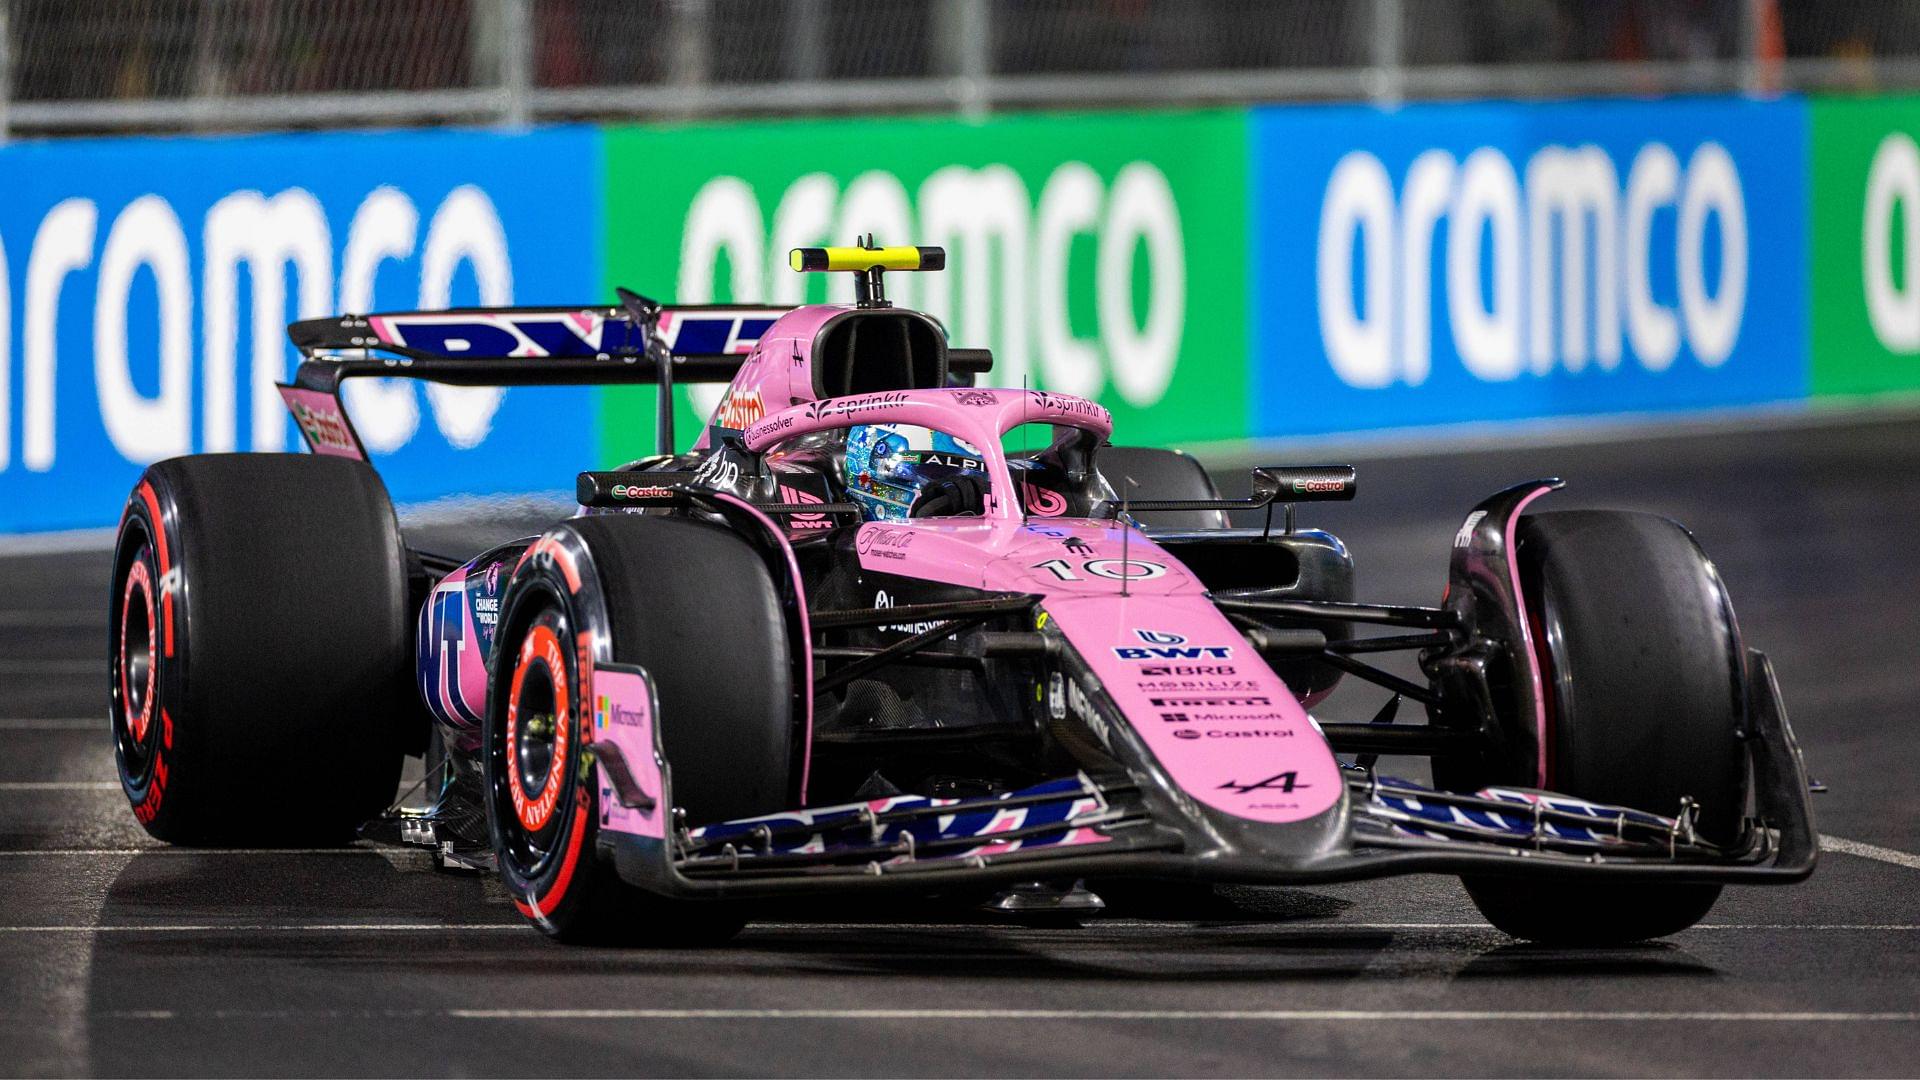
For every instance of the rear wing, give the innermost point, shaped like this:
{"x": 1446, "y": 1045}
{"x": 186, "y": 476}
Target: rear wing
{"x": 640, "y": 342}
{"x": 527, "y": 346}
{"x": 637, "y": 342}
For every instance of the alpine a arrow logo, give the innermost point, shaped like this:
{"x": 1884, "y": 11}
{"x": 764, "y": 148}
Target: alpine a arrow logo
{"x": 1286, "y": 781}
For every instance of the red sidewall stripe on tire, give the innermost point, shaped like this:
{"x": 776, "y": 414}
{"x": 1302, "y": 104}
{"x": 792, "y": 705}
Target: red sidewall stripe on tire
{"x": 545, "y": 902}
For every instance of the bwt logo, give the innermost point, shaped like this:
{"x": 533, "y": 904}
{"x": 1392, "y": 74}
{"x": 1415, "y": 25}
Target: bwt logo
{"x": 250, "y": 239}
{"x": 1508, "y": 241}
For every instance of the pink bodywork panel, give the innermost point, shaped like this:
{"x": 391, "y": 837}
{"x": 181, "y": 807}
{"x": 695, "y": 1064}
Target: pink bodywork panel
{"x": 1246, "y": 746}
{"x": 461, "y": 676}
{"x": 623, "y": 715}
{"x": 778, "y": 372}
{"x": 1526, "y": 634}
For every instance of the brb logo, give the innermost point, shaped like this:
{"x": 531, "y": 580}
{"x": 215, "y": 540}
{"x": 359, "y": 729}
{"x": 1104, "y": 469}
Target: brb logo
{"x": 1564, "y": 259}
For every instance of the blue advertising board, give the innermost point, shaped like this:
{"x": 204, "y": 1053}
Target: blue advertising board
{"x": 148, "y": 284}
{"x": 1447, "y": 263}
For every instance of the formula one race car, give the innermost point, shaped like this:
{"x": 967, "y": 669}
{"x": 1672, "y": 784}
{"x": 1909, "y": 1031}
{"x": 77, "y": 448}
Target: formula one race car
{"x": 854, "y": 640}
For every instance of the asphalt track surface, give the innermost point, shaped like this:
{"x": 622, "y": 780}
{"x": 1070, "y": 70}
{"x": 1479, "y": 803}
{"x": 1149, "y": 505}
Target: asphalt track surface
{"x": 121, "y": 957}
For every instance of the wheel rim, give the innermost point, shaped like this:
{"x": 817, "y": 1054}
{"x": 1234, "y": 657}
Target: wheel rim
{"x": 138, "y": 673}
{"x": 536, "y": 746}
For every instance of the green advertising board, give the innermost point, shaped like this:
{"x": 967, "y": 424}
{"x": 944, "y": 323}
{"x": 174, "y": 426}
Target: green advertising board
{"x": 1865, "y": 220}
{"x": 1103, "y": 255}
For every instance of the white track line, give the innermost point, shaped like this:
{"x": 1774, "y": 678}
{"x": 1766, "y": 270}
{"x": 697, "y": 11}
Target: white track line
{"x": 53, "y": 723}
{"x": 1870, "y": 851}
{"x": 1111, "y": 1015}
{"x": 1177, "y": 1014}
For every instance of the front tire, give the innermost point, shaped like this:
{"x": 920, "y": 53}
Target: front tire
{"x": 1644, "y": 673}
{"x": 665, "y": 593}
{"x": 260, "y": 686}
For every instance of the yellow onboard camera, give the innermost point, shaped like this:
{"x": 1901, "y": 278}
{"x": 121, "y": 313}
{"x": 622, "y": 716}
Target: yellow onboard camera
{"x": 867, "y": 262}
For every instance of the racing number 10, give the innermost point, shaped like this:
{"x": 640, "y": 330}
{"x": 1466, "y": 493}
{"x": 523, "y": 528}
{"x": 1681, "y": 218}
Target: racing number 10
{"x": 1111, "y": 569}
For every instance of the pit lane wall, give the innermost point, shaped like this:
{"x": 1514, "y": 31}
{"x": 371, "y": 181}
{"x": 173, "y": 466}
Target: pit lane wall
{"x": 1210, "y": 276}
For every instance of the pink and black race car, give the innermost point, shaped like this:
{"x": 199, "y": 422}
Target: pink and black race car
{"x": 856, "y": 640}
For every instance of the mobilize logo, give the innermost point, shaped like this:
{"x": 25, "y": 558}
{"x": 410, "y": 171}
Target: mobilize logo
{"x": 1163, "y": 686}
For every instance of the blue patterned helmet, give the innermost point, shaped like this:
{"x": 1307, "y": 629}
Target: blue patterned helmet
{"x": 888, "y": 464}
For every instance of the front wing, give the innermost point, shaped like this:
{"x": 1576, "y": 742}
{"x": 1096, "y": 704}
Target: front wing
{"x": 1084, "y": 825}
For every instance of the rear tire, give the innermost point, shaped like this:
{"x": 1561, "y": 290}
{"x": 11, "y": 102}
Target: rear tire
{"x": 1644, "y": 673}
{"x": 694, "y": 605}
{"x": 261, "y": 649}
{"x": 1147, "y": 472}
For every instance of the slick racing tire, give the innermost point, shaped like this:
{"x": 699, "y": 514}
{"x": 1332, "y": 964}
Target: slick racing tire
{"x": 1644, "y": 669}
{"x": 694, "y": 606}
{"x": 1146, "y": 472}
{"x": 261, "y": 650}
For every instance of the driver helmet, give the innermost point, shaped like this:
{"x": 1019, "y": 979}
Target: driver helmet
{"x": 887, "y": 465}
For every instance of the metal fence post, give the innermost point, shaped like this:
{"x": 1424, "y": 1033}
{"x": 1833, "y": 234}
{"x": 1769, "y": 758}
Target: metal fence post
{"x": 1389, "y": 52}
{"x": 6, "y": 67}
{"x": 690, "y": 57}
{"x": 964, "y": 30}
{"x": 806, "y": 44}
{"x": 516, "y": 61}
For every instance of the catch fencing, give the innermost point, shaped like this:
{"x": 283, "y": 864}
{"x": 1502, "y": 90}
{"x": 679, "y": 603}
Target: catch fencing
{"x": 101, "y": 66}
